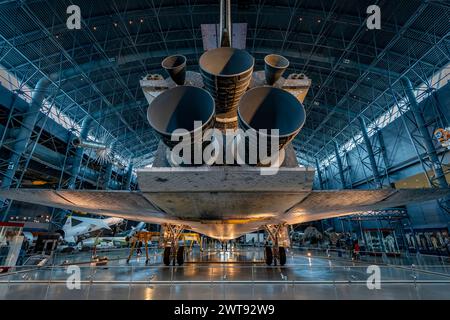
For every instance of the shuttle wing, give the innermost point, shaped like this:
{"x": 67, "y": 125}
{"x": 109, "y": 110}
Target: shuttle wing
{"x": 291, "y": 207}
{"x": 122, "y": 204}
{"x": 334, "y": 203}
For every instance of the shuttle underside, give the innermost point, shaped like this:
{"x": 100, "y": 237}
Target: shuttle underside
{"x": 224, "y": 202}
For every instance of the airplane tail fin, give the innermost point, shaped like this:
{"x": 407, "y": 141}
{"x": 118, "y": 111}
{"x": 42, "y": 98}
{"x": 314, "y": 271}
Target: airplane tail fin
{"x": 68, "y": 223}
{"x": 95, "y": 222}
{"x": 139, "y": 227}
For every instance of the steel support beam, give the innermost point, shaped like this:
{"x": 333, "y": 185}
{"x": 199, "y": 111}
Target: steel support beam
{"x": 319, "y": 175}
{"x": 107, "y": 176}
{"x": 428, "y": 142}
{"x": 383, "y": 150}
{"x": 78, "y": 157}
{"x": 349, "y": 170}
{"x": 128, "y": 177}
{"x": 371, "y": 155}
{"x": 26, "y": 131}
{"x": 339, "y": 164}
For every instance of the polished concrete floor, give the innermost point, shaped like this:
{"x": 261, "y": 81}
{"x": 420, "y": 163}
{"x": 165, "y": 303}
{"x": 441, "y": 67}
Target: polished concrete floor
{"x": 238, "y": 274}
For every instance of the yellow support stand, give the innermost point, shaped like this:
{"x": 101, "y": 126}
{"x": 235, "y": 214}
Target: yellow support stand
{"x": 145, "y": 237}
{"x": 192, "y": 237}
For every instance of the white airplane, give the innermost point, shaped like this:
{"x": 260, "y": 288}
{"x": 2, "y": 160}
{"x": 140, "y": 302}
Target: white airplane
{"x": 120, "y": 238}
{"x": 102, "y": 242}
{"x": 71, "y": 233}
{"x": 128, "y": 233}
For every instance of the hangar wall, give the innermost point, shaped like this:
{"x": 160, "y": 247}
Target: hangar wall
{"x": 49, "y": 156}
{"x": 402, "y": 160}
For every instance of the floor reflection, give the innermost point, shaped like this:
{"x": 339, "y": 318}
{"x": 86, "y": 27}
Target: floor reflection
{"x": 220, "y": 274}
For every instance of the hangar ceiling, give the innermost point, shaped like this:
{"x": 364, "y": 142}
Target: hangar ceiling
{"x": 355, "y": 71}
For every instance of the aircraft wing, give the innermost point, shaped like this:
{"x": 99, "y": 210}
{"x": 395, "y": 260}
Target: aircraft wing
{"x": 327, "y": 204}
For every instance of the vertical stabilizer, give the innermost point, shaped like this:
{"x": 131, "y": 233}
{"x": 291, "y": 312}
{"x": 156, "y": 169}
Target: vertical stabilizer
{"x": 225, "y": 23}
{"x": 68, "y": 223}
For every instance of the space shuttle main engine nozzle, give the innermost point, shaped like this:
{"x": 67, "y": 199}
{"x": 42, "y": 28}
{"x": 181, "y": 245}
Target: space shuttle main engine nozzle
{"x": 270, "y": 108}
{"x": 175, "y": 66}
{"x": 275, "y": 65}
{"x": 226, "y": 74}
{"x": 173, "y": 114}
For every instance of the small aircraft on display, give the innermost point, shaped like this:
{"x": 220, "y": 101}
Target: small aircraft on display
{"x": 70, "y": 233}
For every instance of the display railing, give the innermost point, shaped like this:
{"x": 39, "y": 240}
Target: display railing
{"x": 307, "y": 269}
{"x": 406, "y": 259}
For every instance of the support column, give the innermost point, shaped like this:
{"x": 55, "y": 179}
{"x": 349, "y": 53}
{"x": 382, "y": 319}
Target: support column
{"x": 373, "y": 162}
{"x": 107, "y": 177}
{"x": 428, "y": 142}
{"x": 349, "y": 169}
{"x": 383, "y": 148}
{"x": 319, "y": 174}
{"x": 129, "y": 177}
{"x": 384, "y": 153}
{"x": 327, "y": 178}
{"x": 339, "y": 164}
{"x": 26, "y": 130}
{"x": 78, "y": 157}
